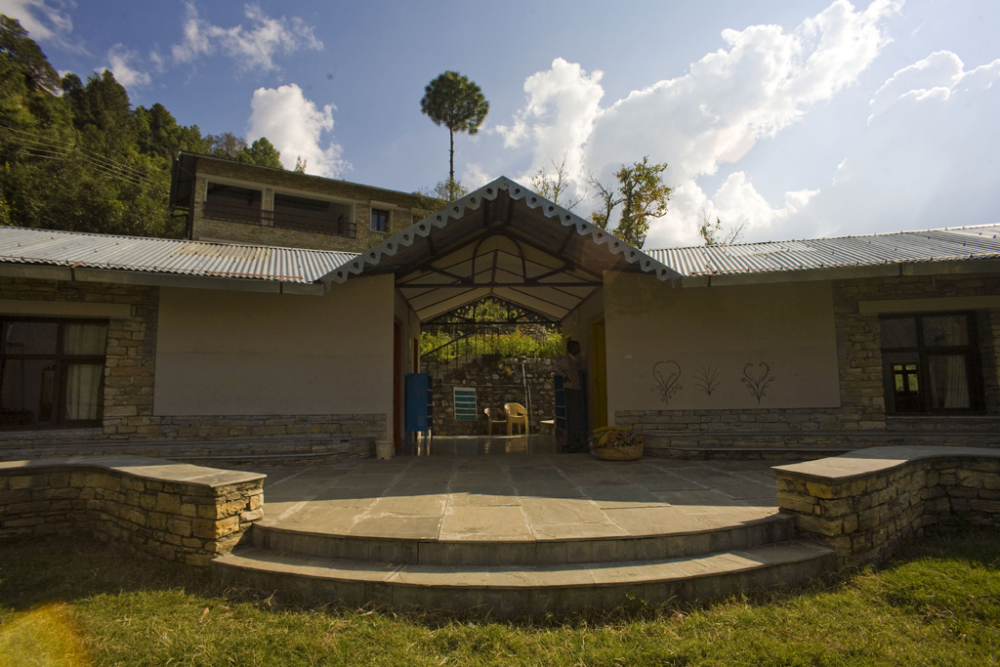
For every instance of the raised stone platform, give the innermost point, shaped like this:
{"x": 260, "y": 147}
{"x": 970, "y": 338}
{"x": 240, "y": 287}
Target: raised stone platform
{"x": 174, "y": 511}
{"x": 864, "y": 503}
{"x": 521, "y": 535}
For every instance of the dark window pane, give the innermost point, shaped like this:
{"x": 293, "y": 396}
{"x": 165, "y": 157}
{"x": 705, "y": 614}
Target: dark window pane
{"x": 30, "y": 337}
{"x": 949, "y": 382}
{"x": 90, "y": 339}
{"x": 946, "y": 330}
{"x": 899, "y": 332}
{"x": 231, "y": 195}
{"x": 380, "y": 220}
{"x": 27, "y": 392}
{"x": 83, "y": 391}
{"x": 290, "y": 202}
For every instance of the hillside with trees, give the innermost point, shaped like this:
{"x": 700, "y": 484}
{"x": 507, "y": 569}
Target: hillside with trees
{"x": 75, "y": 155}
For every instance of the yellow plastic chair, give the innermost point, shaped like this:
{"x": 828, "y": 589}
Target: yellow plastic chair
{"x": 495, "y": 416}
{"x": 516, "y": 416}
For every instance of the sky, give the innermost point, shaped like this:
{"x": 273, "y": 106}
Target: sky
{"x": 790, "y": 119}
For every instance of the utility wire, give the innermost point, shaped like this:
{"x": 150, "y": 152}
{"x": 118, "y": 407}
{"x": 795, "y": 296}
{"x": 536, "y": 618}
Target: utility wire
{"x": 37, "y": 146}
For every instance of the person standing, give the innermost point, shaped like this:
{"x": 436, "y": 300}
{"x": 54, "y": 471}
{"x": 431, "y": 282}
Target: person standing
{"x": 569, "y": 367}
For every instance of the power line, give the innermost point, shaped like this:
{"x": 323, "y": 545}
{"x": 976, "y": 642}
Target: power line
{"x": 99, "y": 163}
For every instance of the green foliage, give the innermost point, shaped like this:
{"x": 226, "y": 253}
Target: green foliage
{"x": 85, "y": 160}
{"x": 457, "y": 103}
{"x": 26, "y": 57}
{"x": 642, "y": 195}
{"x": 230, "y": 147}
{"x": 478, "y": 323}
{"x": 510, "y": 344}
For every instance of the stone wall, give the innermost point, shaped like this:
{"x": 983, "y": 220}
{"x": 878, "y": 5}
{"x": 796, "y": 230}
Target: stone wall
{"x": 864, "y": 504}
{"x": 496, "y": 384}
{"x": 176, "y": 512}
{"x": 405, "y": 208}
{"x": 131, "y": 351}
{"x": 129, "y": 383}
{"x": 861, "y": 420}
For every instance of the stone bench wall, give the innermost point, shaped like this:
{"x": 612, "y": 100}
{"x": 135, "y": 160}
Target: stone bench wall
{"x": 177, "y": 512}
{"x": 863, "y": 504}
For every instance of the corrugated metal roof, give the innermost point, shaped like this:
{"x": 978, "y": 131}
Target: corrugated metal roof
{"x": 951, "y": 244}
{"x": 179, "y": 257}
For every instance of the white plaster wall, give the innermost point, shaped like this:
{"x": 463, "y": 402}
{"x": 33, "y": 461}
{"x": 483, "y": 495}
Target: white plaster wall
{"x": 245, "y": 353}
{"x": 787, "y": 326}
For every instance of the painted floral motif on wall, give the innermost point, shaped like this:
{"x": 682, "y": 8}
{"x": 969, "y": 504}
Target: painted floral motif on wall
{"x": 667, "y": 375}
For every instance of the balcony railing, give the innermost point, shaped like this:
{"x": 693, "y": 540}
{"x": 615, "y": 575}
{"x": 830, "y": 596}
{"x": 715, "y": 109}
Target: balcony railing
{"x": 230, "y": 213}
{"x": 317, "y": 223}
{"x": 303, "y": 221}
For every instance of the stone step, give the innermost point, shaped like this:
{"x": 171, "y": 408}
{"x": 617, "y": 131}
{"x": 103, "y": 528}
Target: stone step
{"x": 518, "y": 590}
{"x": 774, "y": 528}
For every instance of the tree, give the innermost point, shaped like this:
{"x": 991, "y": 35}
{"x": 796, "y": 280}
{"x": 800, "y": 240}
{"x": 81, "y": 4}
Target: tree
{"x": 714, "y": 233}
{"x": 642, "y": 195}
{"x": 458, "y": 104}
{"x": 261, "y": 152}
{"x": 554, "y": 185}
{"x": 27, "y": 57}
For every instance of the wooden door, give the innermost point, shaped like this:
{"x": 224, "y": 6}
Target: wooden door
{"x": 397, "y": 385}
{"x": 598, "y": 374}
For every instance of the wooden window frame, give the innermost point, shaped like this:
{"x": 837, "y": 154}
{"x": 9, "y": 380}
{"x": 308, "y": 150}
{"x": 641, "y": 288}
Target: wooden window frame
{"x": 923, "y": 352}
{"x": 387, "y": 217}
{"x": 62, "y": 361}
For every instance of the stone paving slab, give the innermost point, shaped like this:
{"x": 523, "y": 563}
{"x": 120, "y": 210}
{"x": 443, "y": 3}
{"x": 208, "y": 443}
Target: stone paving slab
{"x": 495, "y": 498}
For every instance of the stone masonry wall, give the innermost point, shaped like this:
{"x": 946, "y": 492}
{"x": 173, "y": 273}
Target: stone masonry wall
{"x": 131, "y": 351}
{"x": 129, "y": 382}
{"x": 158, "y": 512}
{"x": 495, "y": 385}
{"x": 861, "y": 420}
{"x": 864, "y": 517}
{"x": 410, "y": 208}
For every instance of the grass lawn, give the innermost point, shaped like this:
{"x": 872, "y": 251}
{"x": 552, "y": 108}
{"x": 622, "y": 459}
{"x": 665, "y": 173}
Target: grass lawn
{"x": 937, "y": 604}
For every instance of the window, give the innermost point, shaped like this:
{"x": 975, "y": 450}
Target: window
{"x": 51, "y": 372}
{"x": 931, "y": 364}
{"x": 312, "y": 215}
{"x": 228, "y": 202}
{"x": 380, "y": 220}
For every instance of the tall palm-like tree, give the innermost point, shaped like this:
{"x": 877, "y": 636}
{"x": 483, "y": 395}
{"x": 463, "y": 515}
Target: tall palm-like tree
{"x": 458, "y": 104}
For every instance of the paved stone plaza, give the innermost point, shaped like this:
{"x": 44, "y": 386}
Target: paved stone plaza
{"x": 533, "y": 497}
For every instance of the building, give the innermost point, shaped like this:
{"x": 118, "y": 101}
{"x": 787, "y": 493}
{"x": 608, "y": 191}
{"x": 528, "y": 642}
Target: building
{"x": 202, "y": 347}
{"x": 236, "y": 202}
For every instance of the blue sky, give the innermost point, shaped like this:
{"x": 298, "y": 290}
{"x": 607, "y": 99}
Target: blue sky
{"x": 797, "y": 119}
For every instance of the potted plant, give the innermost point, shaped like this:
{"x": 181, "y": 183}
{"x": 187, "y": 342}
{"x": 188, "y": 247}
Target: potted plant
{"x": 617, "y": 443}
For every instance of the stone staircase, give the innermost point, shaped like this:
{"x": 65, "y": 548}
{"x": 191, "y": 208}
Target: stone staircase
{"x": 526, "y": 577}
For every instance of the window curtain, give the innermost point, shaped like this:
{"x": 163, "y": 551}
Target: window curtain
{"x": 83, "y": 390}
{"x": 949, "y": 382}
{"x": 89, "y": 339}
{"x": 83, "y": 381}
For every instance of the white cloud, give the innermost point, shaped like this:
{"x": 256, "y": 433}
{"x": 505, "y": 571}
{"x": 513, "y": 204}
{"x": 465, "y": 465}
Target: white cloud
{"x": 927, "y": 158}
{"x": 125, "y": 74}
{"x": 295, "y": 126}
{"x": 557, "y": 120}
{"x": 41, "y": 20}
{"x": 763, "y": 81}
{"x": 474, "y": 176}
{"x": 252, "y": 48}
{"x": 933, "y": 76}
{"x": 159, "y": 64}
{"x": 736, "y": 202}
